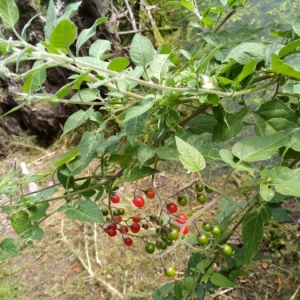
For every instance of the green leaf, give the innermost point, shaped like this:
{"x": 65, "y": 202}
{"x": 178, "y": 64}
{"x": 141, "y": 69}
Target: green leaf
{"x": 37, "y": 234}
{"x": 38, "y": 211}
{"x": 45, "y": 193}
{"x": 145, "y": 153}
{"x": 134, "y": 127}
{"x": 8, "y": 177}
{"x": 76, "y": 120}
{"x": 172, "y": 118}
{"x": 136, "y": 111}
{"x": 274, "y": 116}
{"x": 279, "y": 213}
{"x": 88, "y": 145}
{"x": 66, "y": 157}
{"x": 265, "y": 192}
{"x": 86, "y": 34}
{"x": 21, "y": 223}
{"x": 295, "y": 141}
{"x": 248, "y": 69}
{"x": 159, "y": 65}
{"x": 247, "y": 52}
{"x": 85, "y": 211}
{"x": 190, "y": 157}
{"x": 230, "y": 127}
{"x": 69, "y": 11}
{"x": 252, "y": 231}
{"x": 288, "y": 48}
{"x": 168, "y": 153}
{"x": 50, "y": 19}
{"x": 228, "y": 207}
{"x": 24, "y": 30}
{"x": 85, "y": 95}
{"x": 228, "y": 158}
{"x": 189, "y": 283}
{"x": 296, "y": 26}
{"x": 293, "y": 60}
{"x": 258, "y": 148}
{"x": 187, "y": 4}
{"x": 63, "y": 35}
{"x": 203, "y": 264}
{"x": 286, "y": 181}
{"x": 141, "y": 51}
{"x": 280, "y": 67}
{"x": 201, "y": 124}
{"x": 118, "y": 64}
{"x": 7, "y": 248}
{"x": 220, "y": 280}
{"x": 9, "y": 13}
{"x": 178, "y": 289}
{"x": 207, "y": 148}
{"x": 99, "y": 48}
{"x": 137, "y": 174}
{"x": 291, "y": 88}
{"x": 39, "y": 77}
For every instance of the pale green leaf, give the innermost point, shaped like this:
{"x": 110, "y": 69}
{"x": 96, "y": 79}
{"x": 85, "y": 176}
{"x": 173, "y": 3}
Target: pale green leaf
{"x": 39, "y": 77}
{"x": 295, "y": 141}
{"x": 8, "y": 177}
{"x": 86, "y": 34}
{"x": 187, "y": 4}
{"x": 50, "y": 19}
{"x": 289, "y": 48}
{"x": 296, "y": 26}
{"x": 159, "y": 65}
{"x": 145, "y": 153}
{"x": 88, "y": 145}
{"x": 85, "y": 95}
{"x": 38, "y": 211}
{"x": 76, "y": 120}
{"x": 248, "y": 69}
{"x": 168, "y": 153}
{"x": 136, "y": 111}
{"x": 280, "y": 67}
{"x": 99, "y": 48}
{"x": 190, "y": 157}
{"x": 258, "y": 148}
{"x": 220, "y": 280}
{"x": 286, "y": 181}
{"x": 9, "y": 13}
{"x": 85, "y": 211}
{"x": 66, "y": 157}
{"x": 141, "y": 51}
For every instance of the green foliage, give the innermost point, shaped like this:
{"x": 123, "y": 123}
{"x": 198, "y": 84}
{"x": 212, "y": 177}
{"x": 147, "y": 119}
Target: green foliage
{"x": 164, "y": 110}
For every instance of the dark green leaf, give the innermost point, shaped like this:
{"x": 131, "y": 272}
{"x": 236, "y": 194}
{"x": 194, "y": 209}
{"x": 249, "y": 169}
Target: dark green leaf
{"x": 145, "y": 153}
{"x": 252, "y": 231}
{"x": 66, "y": 157}
{"x": 135, "y": 126}
{"x": 279, "y": 213}
{"x": 21, "y": 223}
{"x": 137, "y": 174}
{"x": 280, "y": 67}
{"x": 202, "y": 124}
{"x": 248, "y": 69}
{"x": 178, "y": 287}
{"x": 168, "y": 153}
{"x": 88, "y": 146}
{"x": 7, "y": 248}
{"x": 136, "y": 111}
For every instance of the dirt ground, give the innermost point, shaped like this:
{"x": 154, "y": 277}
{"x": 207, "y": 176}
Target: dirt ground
{"x": 76, "y": 261}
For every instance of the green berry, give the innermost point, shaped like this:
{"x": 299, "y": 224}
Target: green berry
{"x": 226, "y": 250}
{"x": 202, "y": 239}
{"x": 206, "y": 227}
{"x": 199, "y": 188}
{"x": 169, "y": 271}
{"x": 182, "y": 200}
{"x": 215, "y": 230}
{"x": 201, "y": 198}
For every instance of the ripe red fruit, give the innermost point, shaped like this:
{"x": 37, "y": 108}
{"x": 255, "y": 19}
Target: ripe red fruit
{"x": 139, "y": 201}
{"x": 136, "y": 219}
{"x": 128, "y": 241}
{"x": 124, "y": 229}
{"x": 150, "y": 194}
{"x": 185, "y": 230}
{"x": 135, "y": 227}
{"x": 115, "y": 199}
{"x": 112, "y": 226}
{"x": 171, "y": 207}
{"x": 181, "y": 218}
{"x": 112, "y": 232}
{"x": 118, "y": 218}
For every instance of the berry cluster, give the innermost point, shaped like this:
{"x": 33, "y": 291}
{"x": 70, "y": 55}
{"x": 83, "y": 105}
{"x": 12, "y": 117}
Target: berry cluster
{"x": 168, "y": 226}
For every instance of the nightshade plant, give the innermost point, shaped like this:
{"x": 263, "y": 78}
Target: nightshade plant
{"x": 168, "y": 110}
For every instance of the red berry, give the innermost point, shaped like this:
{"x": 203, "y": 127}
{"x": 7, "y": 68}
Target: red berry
{"x": 135, "y": 227}
{"x": 128, "y": 241}
{"x": 136, "y": 219}
{"x": 124, "y": 229}
{"x": 118, "y": 218}
{"x": 185, "y": 230}
{"x": 171, "y": 207}
{"x": 115, "y": 199}
{"x": 150, "y": 194}
{"x": 139, "y": 201}
{"x": 112, "y": 232}
{"x": 112, "y": 226}
{"x": 181, "y": 218}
